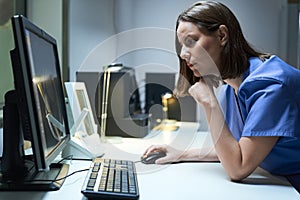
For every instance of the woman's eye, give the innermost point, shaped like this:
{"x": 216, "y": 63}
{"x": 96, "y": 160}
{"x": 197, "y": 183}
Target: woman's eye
{"x": 189, "y": 42}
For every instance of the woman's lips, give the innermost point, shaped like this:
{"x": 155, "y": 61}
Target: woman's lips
{"x": 194, "y": 69}
{"x": 190, "y": 65}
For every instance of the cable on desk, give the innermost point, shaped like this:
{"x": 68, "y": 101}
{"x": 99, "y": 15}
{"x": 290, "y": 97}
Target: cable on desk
{"x": 59, "y": 179}
{"x": 70, "y": 157}
{"x": 83, "y": 159}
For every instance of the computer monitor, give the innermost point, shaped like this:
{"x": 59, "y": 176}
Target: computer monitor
{"x": 35, "y": 110}
{"x": 124, "y": 116}
{"x": 85, "y": 141}
{"x": 81, "y": 109}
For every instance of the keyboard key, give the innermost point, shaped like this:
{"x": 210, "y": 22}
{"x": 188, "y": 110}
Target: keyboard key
{"x": 96, "y": 168}
{"x": 91, "y": 183}
{"x": 93, "y": 175}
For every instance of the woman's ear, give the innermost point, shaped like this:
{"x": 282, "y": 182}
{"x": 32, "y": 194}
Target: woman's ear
{"x": 223, "y": 34}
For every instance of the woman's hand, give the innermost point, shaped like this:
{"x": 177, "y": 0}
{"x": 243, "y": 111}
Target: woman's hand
{"x": 203, "y": 92}
{"x": 172, "y": 154}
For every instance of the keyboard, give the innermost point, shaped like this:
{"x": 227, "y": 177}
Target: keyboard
{"x": 111, "y": 179}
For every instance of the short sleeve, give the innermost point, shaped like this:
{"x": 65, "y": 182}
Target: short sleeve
{"x": 268, "y": 108}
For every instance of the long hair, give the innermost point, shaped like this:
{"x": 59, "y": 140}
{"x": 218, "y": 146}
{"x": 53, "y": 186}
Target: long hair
{"x": 208, "y": 16}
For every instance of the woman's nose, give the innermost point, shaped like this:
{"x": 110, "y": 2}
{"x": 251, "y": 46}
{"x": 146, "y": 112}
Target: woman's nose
{"x": 184, "y": 54}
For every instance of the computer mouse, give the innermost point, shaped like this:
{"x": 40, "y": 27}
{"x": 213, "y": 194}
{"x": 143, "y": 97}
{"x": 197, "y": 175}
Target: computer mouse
{"x": 152, "y": 157}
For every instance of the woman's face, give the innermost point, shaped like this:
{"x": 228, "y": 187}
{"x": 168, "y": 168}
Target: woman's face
{"x": 200, "y": 51}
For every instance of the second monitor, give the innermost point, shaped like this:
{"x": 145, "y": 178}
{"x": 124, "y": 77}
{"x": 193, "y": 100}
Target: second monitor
{"x": 123, "y": 116}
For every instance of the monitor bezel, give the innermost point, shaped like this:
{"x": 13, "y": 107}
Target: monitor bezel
{"x": 24, "y": 88}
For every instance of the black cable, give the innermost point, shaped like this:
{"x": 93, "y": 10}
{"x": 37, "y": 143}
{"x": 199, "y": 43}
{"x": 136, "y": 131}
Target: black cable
{"x": 82, "y": 170}
{"x": 70, "y": 157}
{"x": 83, "y": 159}
{"x": 59, "y": 179}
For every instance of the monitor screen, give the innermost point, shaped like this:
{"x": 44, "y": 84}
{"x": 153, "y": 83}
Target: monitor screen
{"x": 46, "y": 94}
{"x": 39, "y": 95}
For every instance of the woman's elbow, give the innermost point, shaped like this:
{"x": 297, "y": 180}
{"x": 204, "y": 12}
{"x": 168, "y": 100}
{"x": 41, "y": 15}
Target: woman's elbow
{"x": 238, "y": 176}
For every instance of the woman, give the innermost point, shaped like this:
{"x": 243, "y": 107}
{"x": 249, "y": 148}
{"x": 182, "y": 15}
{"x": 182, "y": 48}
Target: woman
{"x": 259, "y": 123}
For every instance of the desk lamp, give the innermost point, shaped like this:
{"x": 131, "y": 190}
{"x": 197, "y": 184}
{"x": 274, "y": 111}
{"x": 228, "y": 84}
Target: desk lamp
{"x": 164, "y": 100}
{"x": 167, "y": 124}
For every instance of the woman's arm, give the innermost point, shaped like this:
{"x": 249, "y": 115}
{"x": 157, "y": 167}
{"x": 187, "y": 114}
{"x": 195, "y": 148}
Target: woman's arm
{"x": 238, "y": 158}
{"x": 175, "y": 155}
{"x": 203, "y": 154}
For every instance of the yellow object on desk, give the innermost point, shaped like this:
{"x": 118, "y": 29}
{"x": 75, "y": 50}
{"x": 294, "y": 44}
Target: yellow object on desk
{"x": 27, "y": 144}
{"x": 167, "y": 125}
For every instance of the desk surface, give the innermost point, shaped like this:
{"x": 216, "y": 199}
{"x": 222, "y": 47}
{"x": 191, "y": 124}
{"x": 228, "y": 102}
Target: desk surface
{"x": 190, "y": 180}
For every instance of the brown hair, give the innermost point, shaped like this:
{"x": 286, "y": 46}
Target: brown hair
{"x": 208, "y": 16}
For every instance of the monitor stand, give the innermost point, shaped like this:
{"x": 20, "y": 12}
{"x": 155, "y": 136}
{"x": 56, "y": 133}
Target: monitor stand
{"x": 38, "y": 180}
{"x": 18, "y": 171}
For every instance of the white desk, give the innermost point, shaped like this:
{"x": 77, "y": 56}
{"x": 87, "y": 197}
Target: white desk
{"x": 175, "y": 181}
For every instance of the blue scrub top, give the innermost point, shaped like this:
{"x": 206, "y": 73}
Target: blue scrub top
{"x": 268, "y": 104}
